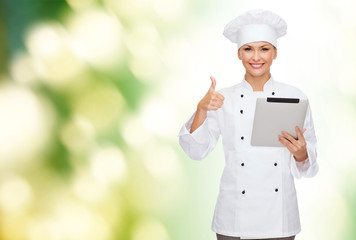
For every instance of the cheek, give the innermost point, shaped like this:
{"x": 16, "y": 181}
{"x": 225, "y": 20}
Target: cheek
{"x": 269, "y": 57}
{"x": 245, "y": 62}
{"x": 245, "y": 57}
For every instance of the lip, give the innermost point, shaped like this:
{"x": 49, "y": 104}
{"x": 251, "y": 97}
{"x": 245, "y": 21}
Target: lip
{"x": 256, "y": 65}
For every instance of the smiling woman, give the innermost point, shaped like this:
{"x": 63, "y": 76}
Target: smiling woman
{"x": 257, "y": 58}
{"x": 257, "y": 197}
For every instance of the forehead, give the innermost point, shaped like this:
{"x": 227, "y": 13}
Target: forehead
{"x": 258, "y": 44}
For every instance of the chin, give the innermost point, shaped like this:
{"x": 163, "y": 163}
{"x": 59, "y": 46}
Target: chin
{"x": 258, "y": 74}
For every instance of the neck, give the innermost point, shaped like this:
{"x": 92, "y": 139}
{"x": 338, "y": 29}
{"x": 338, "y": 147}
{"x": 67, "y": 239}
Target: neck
{"x": 257, "y": 83}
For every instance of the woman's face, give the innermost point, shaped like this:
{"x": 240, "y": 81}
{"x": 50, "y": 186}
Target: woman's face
{"x": 257, "y": 58}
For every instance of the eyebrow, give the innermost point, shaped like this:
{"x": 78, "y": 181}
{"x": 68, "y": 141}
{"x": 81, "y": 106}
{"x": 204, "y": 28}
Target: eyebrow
{"x": 265, "y": 45}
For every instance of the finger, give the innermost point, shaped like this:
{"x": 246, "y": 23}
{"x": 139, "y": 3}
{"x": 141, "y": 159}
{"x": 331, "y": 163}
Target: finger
{"x": 213, "y": 84}
{"x": 215, "y": 104}
{"x": 217, "y": 101}
{"x": 289, "y": 137}
{"x": 220, "y": 96}
{"x": 284, "y": 141}
{"x": 287, "y": 143}
{"x": 213, "y": 107}
{"x": 215, "y": 96}
{"x": 299, "y": 134}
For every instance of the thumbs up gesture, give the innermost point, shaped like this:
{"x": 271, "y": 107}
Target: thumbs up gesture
{"x": 212, "y": 100}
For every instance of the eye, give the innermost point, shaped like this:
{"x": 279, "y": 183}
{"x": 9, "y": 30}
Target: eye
{"x": 265, "y": 49}
{"x": 247, "y": 49}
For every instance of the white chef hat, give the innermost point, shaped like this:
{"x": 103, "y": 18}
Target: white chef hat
{"x": 255, "y": 25}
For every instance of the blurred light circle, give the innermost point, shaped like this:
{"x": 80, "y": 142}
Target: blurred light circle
{"x": 22, "y": 69}
{"x": 24, "y": 124}
{"x": 100, "y": 104}
{"x": 87, "y": 187}
{"x": 15, "y": 194}
{"x": 97, "y": 37}
{"x": 45, "y": 40}
{"x": 108, "y": 165}
{"x": 146, "y": 68}
{"x": 54, "y": 59}
{"x": 143, "y": 40}
{"x": 149, "y": 229}
{"x": 78, "y": 4}
{"x": 78, "y": 222}
{"x": 134, "y": 132}
{"x": 168, "y": 10}
{"x": 142, "y": 32}
{"x": 162, "y": 162}
{"x": 78, "y": 135}
{"x": 159, "y": 116}
{"x": 132, "y": 9}
{"x": 44, "y": 229}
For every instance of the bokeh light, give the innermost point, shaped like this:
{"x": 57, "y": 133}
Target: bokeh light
{"x": 108, "y": 165}
{"x": 24, "y": 124}
{"x": 49, "y": 45}
{"x": 97, "y": 37}
{"x": 15, "y": 194}
{"x": 149, "y": 229}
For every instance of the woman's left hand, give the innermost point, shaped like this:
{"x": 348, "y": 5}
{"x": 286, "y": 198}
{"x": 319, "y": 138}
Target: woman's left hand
{"x": 297, "y": 147}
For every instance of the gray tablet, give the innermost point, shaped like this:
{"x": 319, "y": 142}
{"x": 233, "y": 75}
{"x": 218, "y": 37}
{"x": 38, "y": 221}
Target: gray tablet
{"x": 274, "y": 115}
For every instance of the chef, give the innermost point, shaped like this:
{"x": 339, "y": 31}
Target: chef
{"x": 257, "y": 197}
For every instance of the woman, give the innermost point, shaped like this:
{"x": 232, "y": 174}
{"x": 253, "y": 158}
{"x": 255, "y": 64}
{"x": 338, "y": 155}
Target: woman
{"x": 257, "y": 197}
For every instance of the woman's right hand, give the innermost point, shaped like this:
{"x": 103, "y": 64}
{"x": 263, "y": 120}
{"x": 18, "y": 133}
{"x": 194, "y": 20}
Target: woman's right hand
{"x": 212, "y": 100}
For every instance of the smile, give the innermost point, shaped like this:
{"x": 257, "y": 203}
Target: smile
{"x": 256, "y": 65}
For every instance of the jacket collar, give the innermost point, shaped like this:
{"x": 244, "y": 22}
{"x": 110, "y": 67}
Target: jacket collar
{"x": 267, "y": 87}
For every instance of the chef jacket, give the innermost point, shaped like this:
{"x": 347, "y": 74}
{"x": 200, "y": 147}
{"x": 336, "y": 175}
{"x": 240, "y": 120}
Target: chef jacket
{"x": 257, "y": 196}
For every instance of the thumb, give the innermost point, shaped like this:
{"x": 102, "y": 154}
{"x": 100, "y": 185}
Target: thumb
{"x": 213, "y": 84}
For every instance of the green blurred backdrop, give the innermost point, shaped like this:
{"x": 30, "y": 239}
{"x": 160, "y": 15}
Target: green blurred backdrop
{"x": 93, "y": 94}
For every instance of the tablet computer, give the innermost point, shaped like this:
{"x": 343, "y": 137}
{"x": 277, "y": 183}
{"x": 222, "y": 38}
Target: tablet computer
{"x": 274, "y": 115}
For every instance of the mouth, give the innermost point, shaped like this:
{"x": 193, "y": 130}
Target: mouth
{"x": 256, "y": 65}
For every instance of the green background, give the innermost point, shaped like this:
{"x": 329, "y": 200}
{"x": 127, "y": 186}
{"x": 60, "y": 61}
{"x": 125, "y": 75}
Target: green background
{"x": 93, "y": 94}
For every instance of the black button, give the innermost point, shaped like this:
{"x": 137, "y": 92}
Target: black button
{"x": 242, "y": 138}
{"x": 243, "y": 192}
{"x": 276, "y": 189}
{"x": 242, "y": 95}
{"x": 241, "y": 111}
{"x": 275, "y": 164}
{"x": 242, "y": 164}
{"x": 272, "y": 93}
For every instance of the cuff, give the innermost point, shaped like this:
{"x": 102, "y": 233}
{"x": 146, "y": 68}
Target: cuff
{"x": 299, "y": 169}
{"x": 302, "y": 166}
{"x": 200, "y": 135}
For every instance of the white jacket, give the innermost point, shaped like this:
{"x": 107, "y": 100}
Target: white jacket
{"x": 257, "y": 196}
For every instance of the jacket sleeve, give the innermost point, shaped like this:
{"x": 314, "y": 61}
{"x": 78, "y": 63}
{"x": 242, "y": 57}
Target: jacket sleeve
{"x": 309, "y": 167}
{"x": 201, "y": 142}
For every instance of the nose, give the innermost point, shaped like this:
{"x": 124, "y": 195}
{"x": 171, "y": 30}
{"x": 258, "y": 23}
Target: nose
{"x": 256, "y": 56}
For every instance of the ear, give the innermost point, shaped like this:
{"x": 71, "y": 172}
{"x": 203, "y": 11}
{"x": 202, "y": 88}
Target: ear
{"x": 239, "y": 54}
{"x": 275, "y": 53}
